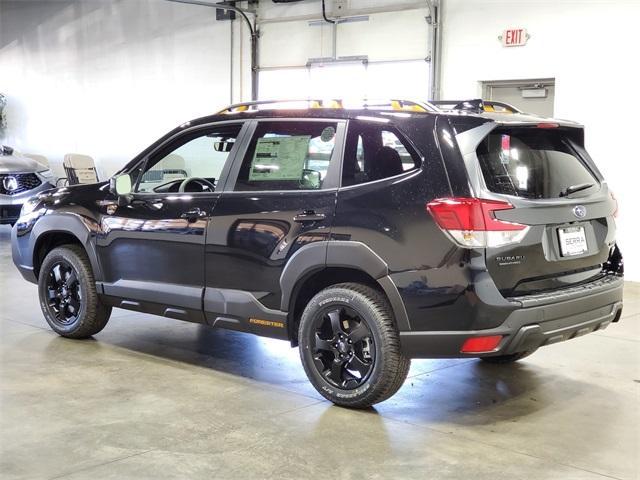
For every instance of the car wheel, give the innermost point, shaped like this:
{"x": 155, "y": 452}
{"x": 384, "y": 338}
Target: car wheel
{"x": 68, "y": 295}
{"x": 502, "y": 359}
{"x": 350, "y": 346}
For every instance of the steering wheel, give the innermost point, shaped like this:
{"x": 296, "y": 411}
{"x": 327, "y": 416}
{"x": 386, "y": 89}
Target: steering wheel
{"x": 201, "y": 181}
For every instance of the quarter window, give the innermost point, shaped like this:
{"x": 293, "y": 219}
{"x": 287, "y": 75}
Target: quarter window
{"x": 288, "y": 156}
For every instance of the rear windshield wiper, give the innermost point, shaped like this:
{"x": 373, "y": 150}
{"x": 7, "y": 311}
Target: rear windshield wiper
{"x": 575, "y": 189}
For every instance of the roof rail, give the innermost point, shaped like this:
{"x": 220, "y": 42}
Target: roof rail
{"x": 476, "y": 105}
{"x": 308, "y": 103}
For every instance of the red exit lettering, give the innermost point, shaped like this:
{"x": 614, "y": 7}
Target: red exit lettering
{"x": 514, "y": 37}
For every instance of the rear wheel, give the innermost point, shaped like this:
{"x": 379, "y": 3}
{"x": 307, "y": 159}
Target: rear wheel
{"x": 350, "y": 346}
{"x": 503, "y": 359}
{"x": 68, "y": 296}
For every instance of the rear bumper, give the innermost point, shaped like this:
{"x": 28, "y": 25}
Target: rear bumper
{"x": 542, "y": 320}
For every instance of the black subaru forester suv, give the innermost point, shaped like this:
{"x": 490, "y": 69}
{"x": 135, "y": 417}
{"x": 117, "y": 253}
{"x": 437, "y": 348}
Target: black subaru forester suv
{"x": 367, "y": 236}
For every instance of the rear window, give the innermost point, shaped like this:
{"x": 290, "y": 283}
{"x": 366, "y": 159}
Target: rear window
{"x": 532, "y": 163}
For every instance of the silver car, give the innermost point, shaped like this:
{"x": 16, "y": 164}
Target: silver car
{"x": 20, "y": 178}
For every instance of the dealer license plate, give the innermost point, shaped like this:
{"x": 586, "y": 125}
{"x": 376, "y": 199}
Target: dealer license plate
{"x": 572, "y": 241}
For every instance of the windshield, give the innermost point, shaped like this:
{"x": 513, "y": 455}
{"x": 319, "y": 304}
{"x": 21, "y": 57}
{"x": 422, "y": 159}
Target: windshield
{"x": 533, "y": 163}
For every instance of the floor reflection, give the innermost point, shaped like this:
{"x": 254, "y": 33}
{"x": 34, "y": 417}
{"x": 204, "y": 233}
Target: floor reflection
{"x": 453, "y": 390}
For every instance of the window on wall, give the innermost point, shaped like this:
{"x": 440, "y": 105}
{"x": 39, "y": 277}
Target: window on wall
{"x": 408, "y": 80}
{"x": 397, "y": 79}
{"x": 284, "y": 84}
{"x": 338, "y": 81}
{"x": 288, "y": 156}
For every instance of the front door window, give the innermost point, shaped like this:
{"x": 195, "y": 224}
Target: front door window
{"x": 193, "y": 164}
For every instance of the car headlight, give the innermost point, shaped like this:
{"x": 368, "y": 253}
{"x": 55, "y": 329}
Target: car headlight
{"x": 48, "y": 174}
{"x": 29, "y": 206}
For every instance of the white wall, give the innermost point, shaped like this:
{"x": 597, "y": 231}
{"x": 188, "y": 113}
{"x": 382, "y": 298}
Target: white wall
{"x": 107, "y": 78}
{"x": 591, "y": 48}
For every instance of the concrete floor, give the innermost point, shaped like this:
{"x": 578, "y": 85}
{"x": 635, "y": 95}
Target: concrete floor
{"x": 156, "y": 398}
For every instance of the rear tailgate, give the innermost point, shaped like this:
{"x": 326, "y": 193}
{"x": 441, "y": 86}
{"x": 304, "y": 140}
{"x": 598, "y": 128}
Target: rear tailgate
{"x": 543, "y": 171}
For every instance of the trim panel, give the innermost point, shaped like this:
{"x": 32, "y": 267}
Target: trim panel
{"x": 241, "y": 311}
{"x": 155, "y": 292}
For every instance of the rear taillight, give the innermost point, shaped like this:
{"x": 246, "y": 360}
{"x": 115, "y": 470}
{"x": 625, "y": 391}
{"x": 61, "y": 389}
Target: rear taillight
{"x": 471, "y": 223}
{"x": 615, "y": 211}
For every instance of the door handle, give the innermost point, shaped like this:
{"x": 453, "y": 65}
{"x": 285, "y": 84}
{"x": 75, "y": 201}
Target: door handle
{"x": 309, "y": 216}
{"x": 193, "y": 214}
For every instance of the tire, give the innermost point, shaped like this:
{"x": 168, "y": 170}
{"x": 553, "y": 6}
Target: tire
{"x": 504, "y": 359}
{"x": 68, "y": 296}
{"x": 350, "y": 346}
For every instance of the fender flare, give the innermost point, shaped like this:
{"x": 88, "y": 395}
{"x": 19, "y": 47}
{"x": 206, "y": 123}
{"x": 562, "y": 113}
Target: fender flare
{"x": 69, "y": 223}
{"x": 338, "y": 253}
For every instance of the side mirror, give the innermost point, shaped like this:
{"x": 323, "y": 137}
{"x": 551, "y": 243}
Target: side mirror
{"x": 120, "y": 185}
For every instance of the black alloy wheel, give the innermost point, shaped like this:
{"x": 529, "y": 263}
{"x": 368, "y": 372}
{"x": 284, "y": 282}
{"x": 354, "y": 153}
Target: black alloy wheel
{"x": 68, "y": 296}
{"x": 350, "y": 345}
{"x": 64, "y": 293}
{"x": 343, "y": 347}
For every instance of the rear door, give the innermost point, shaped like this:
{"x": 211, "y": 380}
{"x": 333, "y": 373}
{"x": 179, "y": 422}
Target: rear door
{"x": 556, "y": 190}
{"x": 280, "y": 196}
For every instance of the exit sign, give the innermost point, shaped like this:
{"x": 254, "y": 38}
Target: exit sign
{"x": 514, "y": 37}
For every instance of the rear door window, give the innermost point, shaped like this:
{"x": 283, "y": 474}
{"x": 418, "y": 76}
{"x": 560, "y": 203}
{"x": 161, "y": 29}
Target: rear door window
{"x": 286, "y": 155}
{"x": 533, "y": 163}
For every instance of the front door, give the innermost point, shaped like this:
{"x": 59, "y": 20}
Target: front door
{"x": 280, "y": 196}
{"x": 152, "y": 250}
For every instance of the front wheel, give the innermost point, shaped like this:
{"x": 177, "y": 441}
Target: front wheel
{"x": 350, "y": 346}
{"x": 68, "y": 296}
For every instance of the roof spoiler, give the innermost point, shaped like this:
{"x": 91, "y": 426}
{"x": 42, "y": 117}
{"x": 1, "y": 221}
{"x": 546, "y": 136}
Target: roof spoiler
{"x": 477, "y": 105}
